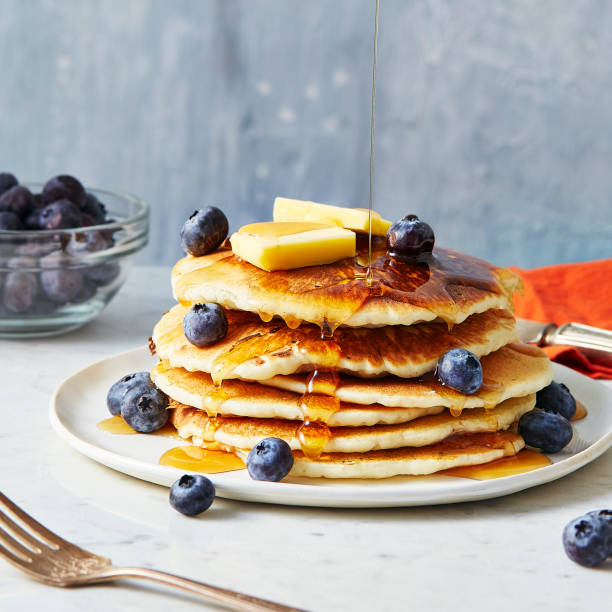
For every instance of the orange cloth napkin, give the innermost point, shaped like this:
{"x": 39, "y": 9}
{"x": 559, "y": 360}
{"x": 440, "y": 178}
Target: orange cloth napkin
{"x": 580, "y": 293}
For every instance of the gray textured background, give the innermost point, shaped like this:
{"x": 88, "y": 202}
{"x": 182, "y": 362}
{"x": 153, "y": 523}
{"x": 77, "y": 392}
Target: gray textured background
{"x": 494, "y": 119}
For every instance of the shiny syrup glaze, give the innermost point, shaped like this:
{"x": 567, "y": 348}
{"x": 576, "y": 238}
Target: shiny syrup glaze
{"x": 524, "y": 461}
{"x": 116, "y": 425}
{"x": 439, "y": 282}
{"x": 198, "y": 459}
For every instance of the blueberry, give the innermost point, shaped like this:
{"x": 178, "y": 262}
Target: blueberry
{"x": 94, "y": 208}
{"x": 460, "y": 370}
{"x": 64, "y": 187}
{"x": 144, "y": 408}
{"x": 586, "y": 540}
{"x": 205, "y": 324}
{"x": 556, "y": 398}
{"x": 86, "y": 242}
{"x": 10, "y": 221}
{"x": 61, "y": 214}
{"x": 88, "y": 290}
{"x": 21, "y": 290}
{"x": 18, "y": 200}
{"x": 128, "y": 382}
{"x": 547, "y": 431}
{"x": 7, "y": 180}
{"x": 606, "y": 517}
{"x": 204, "y": 231}
{"x": 409, "y": 237}
{"x": 104, "y": 273}
{"x": 192, "y": 494}
{"x": 271, "y": 460}
{"x": 33, "y": 221}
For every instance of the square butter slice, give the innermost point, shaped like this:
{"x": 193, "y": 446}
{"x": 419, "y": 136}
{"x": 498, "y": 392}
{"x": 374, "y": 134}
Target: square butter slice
{"x": 355, "y": 219}
{"x": 287, "y": 245}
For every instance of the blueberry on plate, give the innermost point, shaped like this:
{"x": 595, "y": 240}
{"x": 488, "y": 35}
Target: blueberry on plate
{"x": 192, "y": 494}
{"x": 460, "y": 370}
{"x": 61, "y": 214}
{"x": 64, "y": 187}
{"x": 9, "y": 221}
{"x": 204, "y": 231}
{"x": 205, "y": 324}
{"x": 7, "y": 180}
{"x": 586, "y": 540}
{"x": 556, "y": 398}
{"x": 547, "y": 431}
{"x": 270, "y": 460}
{"x": 18, "y": 200}
{"x": 409, "y": 237}
{"x": 144, "y": 408}
{"x": 126, "y": 383}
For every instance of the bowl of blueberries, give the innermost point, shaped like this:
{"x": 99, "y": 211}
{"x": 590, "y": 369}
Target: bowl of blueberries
{"x": 64, "y": 252}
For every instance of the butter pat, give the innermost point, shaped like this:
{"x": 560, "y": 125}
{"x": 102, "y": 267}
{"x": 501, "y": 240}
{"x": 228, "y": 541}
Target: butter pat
{"x": 284, "y": 246}
{"x": 355, "y": 219}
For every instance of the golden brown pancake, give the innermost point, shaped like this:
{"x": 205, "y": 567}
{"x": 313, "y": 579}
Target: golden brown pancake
{"x": 469, "y": 449}
{"x": 512, "y": 371}
{"x": 254, "y": 350}
{"x": 449, "y": 285}
{"x": 509, "y": 372}
{"x": 312, "y": 439}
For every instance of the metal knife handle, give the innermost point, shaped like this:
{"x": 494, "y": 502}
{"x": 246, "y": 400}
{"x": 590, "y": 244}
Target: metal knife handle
{"x": 595, "y": 343}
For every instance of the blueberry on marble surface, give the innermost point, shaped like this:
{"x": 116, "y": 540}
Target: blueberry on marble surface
{"x": 409, "y": 237}
{"x": 7, "y": 180}
{"x": 460, "y": 370}
{"x": 18, "y": 200}
{"x": 9, "y": 221}
{"x": 126, "y": 383}
{"x": 64, "y": 187}
{"x": 605, "y": 515}
{"x": 61, "y": 214}
{"x": 548, "y": 431}
{"x": 587, "y": 539}
{"x": 204, "y": 324}
{"x": 144, "y": 408}
{"x": 270, "y": 460}
{"x": 192, "y": 494}
{"x": 556, "y": 398}
{"x": 204, "y": 231}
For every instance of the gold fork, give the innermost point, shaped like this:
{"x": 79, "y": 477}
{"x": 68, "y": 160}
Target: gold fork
{"x": 42, "y": 554}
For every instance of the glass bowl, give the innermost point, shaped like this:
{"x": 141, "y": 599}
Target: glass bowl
{"x": 52, "y": 281}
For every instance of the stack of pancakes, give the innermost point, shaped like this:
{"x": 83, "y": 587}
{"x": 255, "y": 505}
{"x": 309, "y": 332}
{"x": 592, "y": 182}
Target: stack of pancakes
{"x": 343, "y": 369}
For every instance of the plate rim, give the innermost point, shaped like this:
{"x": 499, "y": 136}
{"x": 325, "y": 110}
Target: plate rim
{"x": 298, "y": 492}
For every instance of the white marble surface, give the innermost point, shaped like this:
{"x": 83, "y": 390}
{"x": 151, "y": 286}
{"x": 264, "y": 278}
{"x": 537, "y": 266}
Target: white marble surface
{"x": 503, "y": 554}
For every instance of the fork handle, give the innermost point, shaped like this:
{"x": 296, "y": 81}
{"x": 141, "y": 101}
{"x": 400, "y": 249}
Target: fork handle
{"x": 232, "y": 599}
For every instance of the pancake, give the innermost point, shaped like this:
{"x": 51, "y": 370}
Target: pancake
{"x": 470, "y": 449}
{"x": 254, "y": 350}
{"x": 448, "y": 285}
{"x": 509, "y": 372}
{"x": 248, "y": 399}
{"x": 245, "y": 432}
{"x": 512, "y": 371}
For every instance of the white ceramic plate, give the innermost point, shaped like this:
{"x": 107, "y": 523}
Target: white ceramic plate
{"x": 79, "y": 404}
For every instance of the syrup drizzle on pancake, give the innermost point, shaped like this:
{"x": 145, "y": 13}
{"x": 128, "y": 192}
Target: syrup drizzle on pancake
{"x": 443, "y": 282}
